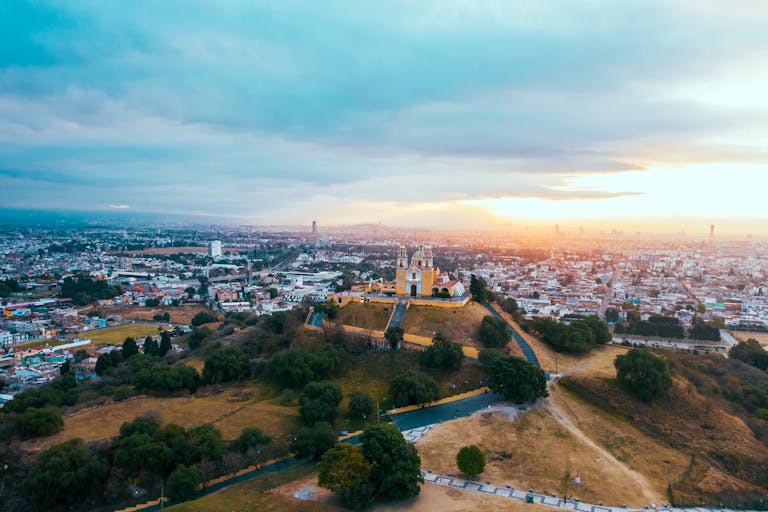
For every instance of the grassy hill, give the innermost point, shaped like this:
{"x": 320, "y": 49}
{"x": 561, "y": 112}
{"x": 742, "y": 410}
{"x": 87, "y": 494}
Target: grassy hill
{"x": 461, "y": 325}
{"x": 702, "y": 415}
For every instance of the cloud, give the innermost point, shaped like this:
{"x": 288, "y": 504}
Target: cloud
{"x": 281, "y": 109}
{"x": 120, "y": 206}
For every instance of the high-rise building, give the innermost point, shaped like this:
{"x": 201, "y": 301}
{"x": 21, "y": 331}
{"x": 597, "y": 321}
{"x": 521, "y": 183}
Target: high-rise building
{"x": 214, "y": 248}
{"x": 314, "y": 227}
{"x": 711, "y": 231}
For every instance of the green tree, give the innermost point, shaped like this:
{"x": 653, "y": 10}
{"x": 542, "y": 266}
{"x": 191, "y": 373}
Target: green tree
{"x": 250, "y": 437}
{"x": 205, "y": 442}
{"x": 510, "y": 305}
{"x": 645, "y": 375}
{"x": 319, "y": 402}
{"x": 64, "y": 476}
{"x": 494, "y": 332}
{"x": 182, "y": 483}
{"x": 225, "y": 364}
{"x": 413, "y": 388}
{"x": 516, "y": 379}
{"x": 360, "y": 404}
{"x": 296, "y": 367}
{"x": 394, "y": 335}
{"x": 197, "y": 336}
{"x": 477, "y": 287}
{"x": 750, "y": 352}
{"x": 140, "y": 425}
{"x": 190, "y": 291}
{"x": 344, "y": 471}
{"x": 470, "y": 460}
{"x": 443, "y": 353}
{"x": 273, "y": 293}
{"x": 204, "y": 317}
{"x": 165, "y": 344}
{"x": 314, "y": 441}
{"x": 395, "y": 465}
{"x": 130, "y": 348}
{"x": 150, "y": 346}
{"x": 141, "y": 452}
{"x": 35, "y": 422}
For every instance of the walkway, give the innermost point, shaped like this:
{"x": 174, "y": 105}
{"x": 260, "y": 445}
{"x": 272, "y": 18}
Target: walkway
{"x": 524, "y": 346}
{"x": 546, "y": 500}
{"x": 316, "y": 320}
{"x": 438, "y": 413}
{"x": 399, "y": 314}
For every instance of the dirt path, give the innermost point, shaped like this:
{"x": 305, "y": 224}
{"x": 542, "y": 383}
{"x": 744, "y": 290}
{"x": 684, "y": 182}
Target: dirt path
{"x": 563, "y": 414}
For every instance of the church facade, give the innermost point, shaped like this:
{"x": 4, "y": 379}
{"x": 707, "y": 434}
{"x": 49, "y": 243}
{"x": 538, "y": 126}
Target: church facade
{"x": 419, "y": 277}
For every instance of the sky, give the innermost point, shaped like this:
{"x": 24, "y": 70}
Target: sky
{"x": 468, "y": 114}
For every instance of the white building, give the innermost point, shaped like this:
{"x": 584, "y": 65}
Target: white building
{"x": 214, "y": 248}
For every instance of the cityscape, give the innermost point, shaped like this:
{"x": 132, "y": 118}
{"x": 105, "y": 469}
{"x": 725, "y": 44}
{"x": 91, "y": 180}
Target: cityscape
{"x": 385, "y": 256}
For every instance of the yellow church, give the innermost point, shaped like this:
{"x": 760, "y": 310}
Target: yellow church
{"x": 420, "y": 277}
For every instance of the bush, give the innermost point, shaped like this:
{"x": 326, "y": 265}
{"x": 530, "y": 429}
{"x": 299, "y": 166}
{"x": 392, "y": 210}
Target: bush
{"x": 644, "y": 374}
{"x": 204, "y": 317}
{"x": 197, "y": 336}
{"x": 412, "y": 388}
{"x": 470, "y": 460}
{"x": 35, "y": 422}
{"x": 494, "y": 332}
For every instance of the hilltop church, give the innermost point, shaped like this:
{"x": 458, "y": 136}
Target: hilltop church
{"x": 420, "y": 278}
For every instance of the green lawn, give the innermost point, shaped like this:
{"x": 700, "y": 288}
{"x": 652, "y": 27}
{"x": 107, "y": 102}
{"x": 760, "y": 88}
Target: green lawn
{"x": 116, "y": 335}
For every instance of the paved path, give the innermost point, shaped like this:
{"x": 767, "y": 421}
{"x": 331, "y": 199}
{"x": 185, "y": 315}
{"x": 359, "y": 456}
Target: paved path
{"x": 524, "y": 346}
{"x": 542, "y": 499}
{"x": 397, "y": 316}
{"x": 443, "y": 412}
{"x": 316, "y": 319}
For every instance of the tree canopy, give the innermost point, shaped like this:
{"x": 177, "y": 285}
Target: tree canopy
{"x": 750, "y": 352}
{"x": 412, "y": 388}
{"x": 516, "y": 379}
{"x": 395, "y": 465}
{"x": 314, "y": 441}
{"x": 470, "y": 460}
{"x": 394, "y": 335}
{"x": 494, "y": 332}
{"x": 644, "y": 374}
{"x": 319, "y": 402}
{"x": 360, "y": 404}
{"x": 296, "y": 367}
{"x": 225, "y": 364}
{"x": 477, "y": 287}
{"x": 344, "y": 471}
{"x": 442, "y": 354}
{"x": 64, "y": 475}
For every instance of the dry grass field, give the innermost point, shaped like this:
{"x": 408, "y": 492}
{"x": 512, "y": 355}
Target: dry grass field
{"x": 461, "y": 325}
{"x": 255, "y": 494}
{"x": 116, "y": 335}
{"x": 535, "y": 451}
{"x": 103, "y": 422}
{"x": 761, "y": 337}
{"x": 179, "y": 314}
{"x": 367, "y": 316}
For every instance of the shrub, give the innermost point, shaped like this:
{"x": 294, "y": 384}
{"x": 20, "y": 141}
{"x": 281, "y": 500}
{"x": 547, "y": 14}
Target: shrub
{"x": 470, "y": 460}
